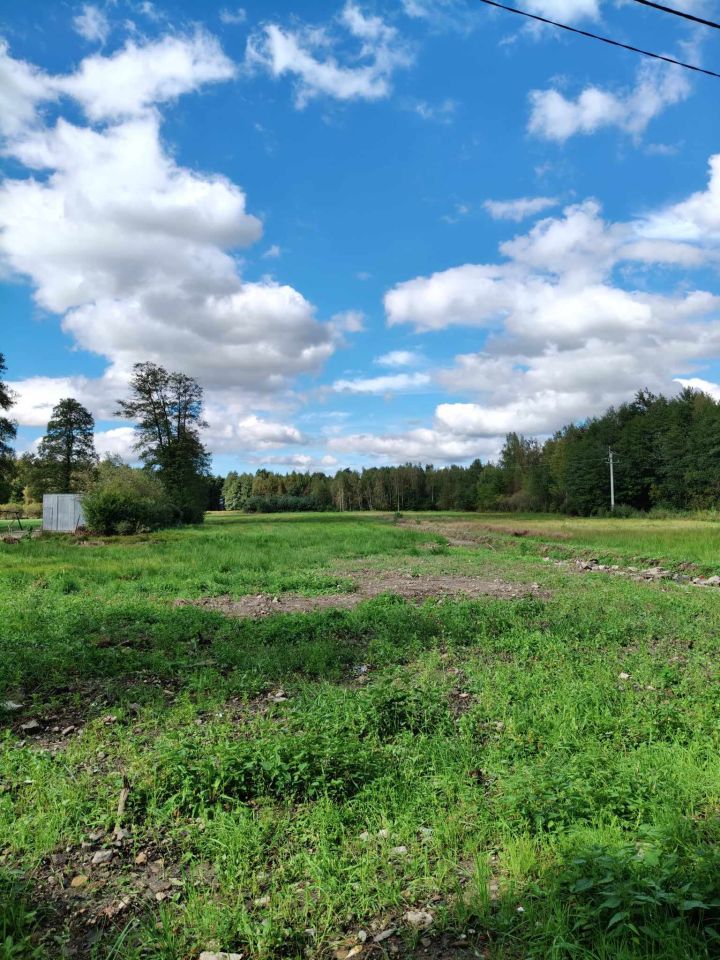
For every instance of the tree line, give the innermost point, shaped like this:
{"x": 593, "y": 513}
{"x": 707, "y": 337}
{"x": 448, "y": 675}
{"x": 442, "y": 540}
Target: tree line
{"x": 666, "y": 453}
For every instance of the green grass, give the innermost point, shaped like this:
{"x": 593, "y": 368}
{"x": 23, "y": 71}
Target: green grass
{"x": 481, "y": 760}
{"x": 676, "y": 540}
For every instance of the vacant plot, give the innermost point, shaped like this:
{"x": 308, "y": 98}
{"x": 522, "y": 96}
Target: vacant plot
{"x": 427, "y": 737}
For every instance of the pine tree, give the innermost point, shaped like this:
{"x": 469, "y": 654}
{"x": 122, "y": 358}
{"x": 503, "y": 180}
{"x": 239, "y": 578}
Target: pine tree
{"x": 68, "y": 448}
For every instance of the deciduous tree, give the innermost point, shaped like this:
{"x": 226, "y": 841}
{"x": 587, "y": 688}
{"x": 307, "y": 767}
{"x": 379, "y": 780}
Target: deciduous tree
{"x": 167, "y": 410}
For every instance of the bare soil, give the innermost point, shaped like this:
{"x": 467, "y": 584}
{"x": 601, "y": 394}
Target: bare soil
{"x": 463, "y": 533}
{"x": 368, "y": 584}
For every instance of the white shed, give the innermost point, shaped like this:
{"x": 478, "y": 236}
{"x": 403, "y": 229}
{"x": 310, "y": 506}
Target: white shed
{"x": 62, "y": 512}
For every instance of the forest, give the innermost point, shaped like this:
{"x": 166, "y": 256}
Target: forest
{"x": 666, "y": 454}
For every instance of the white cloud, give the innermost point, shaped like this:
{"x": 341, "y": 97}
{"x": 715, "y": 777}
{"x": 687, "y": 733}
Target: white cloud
{"x": 518, "y": 209}
{"x": 442, "y": 112}
{"x": 135, "y": 251}
{"x": 696, "y": 219}
{"x": 134, "y": 78}
{"x": 117, "y": 442}
{"x": 555, "y": 117}
{"x": 696, "y": 383}
{"x": 399, "y": 358}
{"x": 565, "y": 339}
{"x": 233, "y": 17}
{"x": 258, "y": 434}
{"x": 92, "y": 24}
{"x": 308, "y": 55}
{"x": 566, "y": 11}
{"x": 389, "y": 384}
{"x": 418, "y": 445}
{"x": 348, "y": 321}
{"x": 272, "y": 252}
{"x": 22, "y": 87}
{"x": 36, "y": 396}
{"x": 555, "y": 279}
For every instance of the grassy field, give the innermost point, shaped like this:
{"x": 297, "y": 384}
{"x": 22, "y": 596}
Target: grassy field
{"x": 528, "y": 774}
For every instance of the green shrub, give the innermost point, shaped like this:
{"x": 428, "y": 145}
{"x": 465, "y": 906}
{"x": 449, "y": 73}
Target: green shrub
{"x": 124, "y": 501}
{"x": 300, "y": 766}
{"x": 643, "y": 891}
{"x": 285, "y": 503}
{"x": 29, "y": 511}
{"x": 398, "y": 704}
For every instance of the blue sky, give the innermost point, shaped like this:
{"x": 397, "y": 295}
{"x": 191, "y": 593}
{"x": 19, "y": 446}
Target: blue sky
{"x": 374, "y": 232}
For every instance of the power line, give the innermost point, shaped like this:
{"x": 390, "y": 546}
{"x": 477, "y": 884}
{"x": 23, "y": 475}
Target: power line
{"x": 595, "y": 36}
{"x": 679, "y": 13}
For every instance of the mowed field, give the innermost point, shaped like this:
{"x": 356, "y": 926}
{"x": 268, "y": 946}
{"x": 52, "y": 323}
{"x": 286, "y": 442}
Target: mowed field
{"x": 357, "y": 736}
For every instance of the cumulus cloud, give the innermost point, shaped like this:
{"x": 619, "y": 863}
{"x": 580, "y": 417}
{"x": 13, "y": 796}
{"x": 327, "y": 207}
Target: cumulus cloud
{"x": 22, "y": 87}
{"x": 36, "y": 396}
{"x": 260, "y": 434}
{"x": 564, "y": 337}
{"x": 134, "y": 78}
{"x": 555, "y": 278}
{"x": 693, "y": 220}
{"x": 309, "y": 55}
{"x": 553, "y": 116}
{"x": 117, "y": 442}
{"x": 135, "y": 251}
{"x": 392, "y": 383}
{"x": 518, "y": 209}
{"x": 697, "y": 383}
{"x": 419, "y": 445}
{"x": 92, "y": 24}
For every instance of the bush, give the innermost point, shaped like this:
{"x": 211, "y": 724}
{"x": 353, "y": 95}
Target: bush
{"x": 644, "y": 891}
{"x": 125, "y": 501}
{"x": 29, "y": 511}
{"x": 285, "y": 503}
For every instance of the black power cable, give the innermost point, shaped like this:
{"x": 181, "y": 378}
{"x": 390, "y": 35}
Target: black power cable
{"x": 679, "y": 13}
{"x": 595, "y": 36}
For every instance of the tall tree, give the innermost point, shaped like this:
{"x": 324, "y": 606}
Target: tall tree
{"x": 167, "y": 410}
{"x": 67, "y": 451}
{"x": 7, "y": 434}
{"x": 7, "y": 426}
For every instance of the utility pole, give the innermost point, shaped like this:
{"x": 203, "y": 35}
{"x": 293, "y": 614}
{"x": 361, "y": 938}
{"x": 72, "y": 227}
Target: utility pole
{"x": 612, "y": 479}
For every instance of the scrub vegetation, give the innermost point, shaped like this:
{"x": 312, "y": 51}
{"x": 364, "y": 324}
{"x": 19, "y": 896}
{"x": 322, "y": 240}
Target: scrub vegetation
{"x": 532, "y": 773}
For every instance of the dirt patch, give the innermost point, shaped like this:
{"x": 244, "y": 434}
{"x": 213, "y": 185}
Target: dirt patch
{"x": 464, "y": 533}
{"x": 368, "y": 584}
{"x": 457, "y": 533}
{"x": 93, "y": 889}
